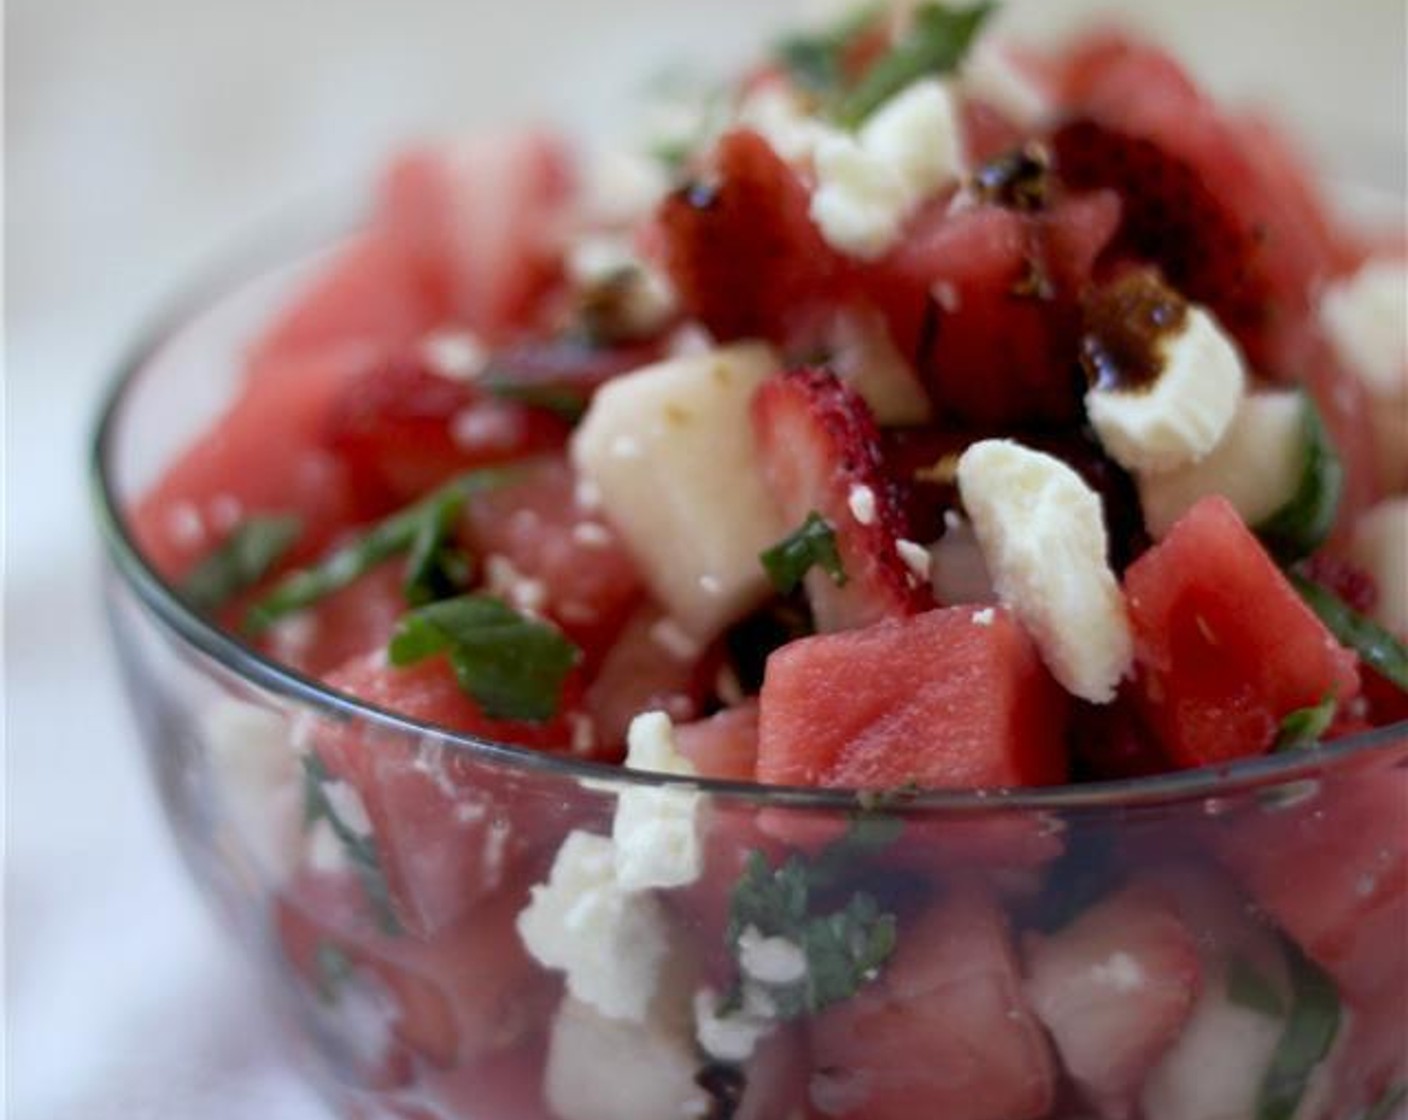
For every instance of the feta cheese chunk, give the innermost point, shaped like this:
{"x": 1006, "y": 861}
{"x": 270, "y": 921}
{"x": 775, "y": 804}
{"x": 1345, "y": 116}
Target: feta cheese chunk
{"x": 869, "y": 184}
{"x": 1042, "y": 535}
{"x": 1380, "y": 546}
{"x": 669, "y": 448}
{"x": 990, "y": 74}
{"x": 610, "y": 943}
{"x": 585, "y": 1078}
{"x": 656, "y": 829}
{"x": 781, "y": 118}
{"x": 1166, "y": 380}
{"x": 1257, "y": 466}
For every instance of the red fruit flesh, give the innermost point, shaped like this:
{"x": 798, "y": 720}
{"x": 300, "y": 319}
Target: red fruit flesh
{"x": 1224, "y": 647}
{"x": 945, "y": 1031}
{"x": 821, "y": 453}
{"x": 943, "y": 699}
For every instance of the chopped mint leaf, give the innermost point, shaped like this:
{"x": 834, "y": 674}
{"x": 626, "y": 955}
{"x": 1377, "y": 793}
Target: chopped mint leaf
{"x": 811, "y": 543}
{"x": 246, "y": 556}
{"x": 361, "y": 850}
{"x": 1311, "y": 1026}
{"x": 1384, "y": 1107}
{"x": 936, "y": 42}
{"x": 1301, "y": 526}
{"x": 569, "y": 404}
{"x": 334, "y": 970}
{"x": 815, "y": 60}
{"x": 435, "y": 567}
{"x": 512, "y": 665}
{"x": 1375, "y": 646}
{"x": 1246, "y": 987}
{"x": 397, "y": 534}
{"x": 1303, "y": 728}
{"x": 844, "y": 947}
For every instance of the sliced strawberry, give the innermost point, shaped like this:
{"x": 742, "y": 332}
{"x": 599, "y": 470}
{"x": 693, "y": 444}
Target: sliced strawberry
{"x": 723, "y": 746}
{"x": 740, "y": 247}
{"x": 560, "y": 558}
{"x": 1114, "y": 987}
{"x": 481, "y": 221}
{"x": 403, "y": 429}
{"x": 821, "y": 453}
{"x": 987, "y": 300}
{"x": 950, "y": 698}
{"x": 945, "y": 1031}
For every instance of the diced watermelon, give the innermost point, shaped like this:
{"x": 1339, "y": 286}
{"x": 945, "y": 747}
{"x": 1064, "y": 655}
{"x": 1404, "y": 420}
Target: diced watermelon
{"x": 741, "y": 248}
{"x": 652, "y": 665}
{"x": 1114, "y": 987}
{"x": 952, "y": 698}
{"x": 820, "y": 453}
{"x": 1224, "y": 647}
{"x": 403, "y": 429}
{"x": 452, "y": 1000}
{"x": 447, "y": 831}
{"x": 481, "y": 221}
{"x": 537, "y": 523}
{"x": 368, "y": 294}
{"x": 945, "y": 1031}
{"x": 987, "y": 301}
{"x": 264, "y": 456}
{"x": 725, "y": 745}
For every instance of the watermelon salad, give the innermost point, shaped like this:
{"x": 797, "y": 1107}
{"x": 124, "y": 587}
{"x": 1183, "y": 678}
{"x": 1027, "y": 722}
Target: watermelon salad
{"x": 919, "y": 411}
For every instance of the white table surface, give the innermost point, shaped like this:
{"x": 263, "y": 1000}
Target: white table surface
{"x": 143, "y": 138}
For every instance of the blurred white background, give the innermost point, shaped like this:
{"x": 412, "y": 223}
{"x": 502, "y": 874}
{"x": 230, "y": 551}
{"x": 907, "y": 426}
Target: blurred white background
{"x": 146, "y": 137}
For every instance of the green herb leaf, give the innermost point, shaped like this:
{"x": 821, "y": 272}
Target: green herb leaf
{"x": 1383, "y": 1108}
{"x": 334, "y": 970}
{"x": 844, "y": 947}
{"x": 1301, "y": 526}
{"x": 936, "y": 43}
{"x": 569, "y": 404}
{"x": 1376, "y": 646}
{"x": 246, "y": 556}
{"x": 811, "y": 543}
{"x": 397, "y": 534}
{"x": 512, "y": 665}
{"x": 815, "y": 60}
{"x": 1303, "y": 728}
{"x": 361, "y": 850}
{"x": 1310, "y": 1030}
{"x": 1246, "y": 987}
{"x": 435, "y": 568}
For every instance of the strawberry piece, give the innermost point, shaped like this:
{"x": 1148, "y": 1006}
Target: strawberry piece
{"x": 821, "y": 453}
{"x": 479, "y": 222}
{"x": 723, "y": 746}
{"x": 403, "y": 429}
{"x": 740, "y": 247}
{"x": 1114, "y": 988}
{"x": 951, "y": 698}
{"x": 987, "y": 300}
{"x": 945, "y": 1030}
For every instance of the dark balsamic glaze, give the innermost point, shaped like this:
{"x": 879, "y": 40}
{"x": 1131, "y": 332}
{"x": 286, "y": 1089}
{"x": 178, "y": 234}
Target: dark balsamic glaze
{"x": 1124, "y": 323}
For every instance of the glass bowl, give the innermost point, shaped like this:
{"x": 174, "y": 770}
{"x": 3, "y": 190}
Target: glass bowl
{"x": 1224, "y": 942}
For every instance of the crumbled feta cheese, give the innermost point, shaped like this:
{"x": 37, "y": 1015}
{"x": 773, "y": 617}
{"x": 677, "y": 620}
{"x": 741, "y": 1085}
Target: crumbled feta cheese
{"x": 583, "y": 1078}
{"x": 990, "y": 75}
{"x": 487, "y": 425}
{"x": 1380, "y": 546}
{"x": 781, "y": 118}
{"x": 361, "y": 1017}
{"x": 861, "y": 502}
{"x": 862, "y": 353}
{"x": 1121, "y": 972}
{"x": 868, "y": 185}
{"x": 697, "y": 519}
{"x": 640, "y": 297}
{"x": 225, "y": 513}
{"x": 609, "y": 942}
{"x": 728, "y": 1038}
{"x": 1183, "y": 415}
{"x": 983, "y": 617}
{"x": 326, "y": 853}
{"x": 348, "y": 808}
{"x": 591, "y": 534}
{"x": 1257, "y": 466}
{"x": 1366, "y": 318}
{"x": 257, "y": 778}
{"x": 583, "y": 732}
{"x": 1043, "y": 538}
{"x": 502, "y": 578}
{"x": 770, "y": 960}
{"x": 675, "y": 640}
{"x": 184, "y": 525}
{"x": 622, "y": 187}
{"x": 656, "y": 828}
{"x": 456, "y": 355}
{"x": 916, "y": 558}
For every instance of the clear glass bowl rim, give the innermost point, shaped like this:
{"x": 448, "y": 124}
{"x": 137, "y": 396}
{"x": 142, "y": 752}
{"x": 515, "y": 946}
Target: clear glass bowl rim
{"x": 280, "y": 245}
